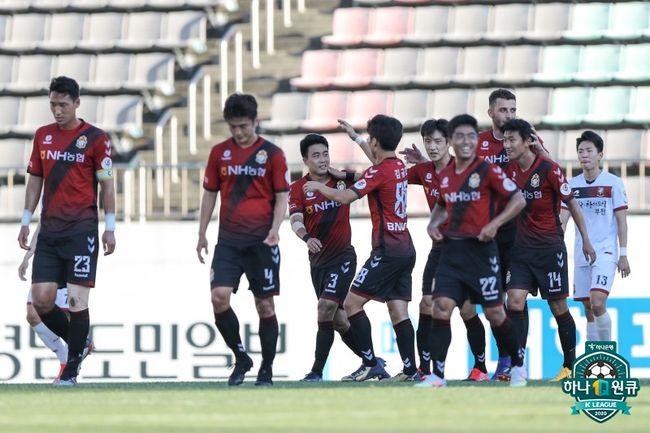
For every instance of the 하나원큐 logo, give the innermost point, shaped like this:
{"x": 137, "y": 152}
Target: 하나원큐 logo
{"x": 600, "y": 382}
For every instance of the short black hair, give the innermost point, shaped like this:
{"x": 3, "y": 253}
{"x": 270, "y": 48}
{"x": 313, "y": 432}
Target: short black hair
{"x": 501, "y": 94}
{"x": 240, "y": 105}
{"x": 461, "y": 120}
{"x": 387, "y": 130}
{"x": 524, "y": 128}
{"x": 309, "y": 140}
{"x": 432, "y": 125}
{"x": 65, "y": 86}
{"x": 593, "y": 137}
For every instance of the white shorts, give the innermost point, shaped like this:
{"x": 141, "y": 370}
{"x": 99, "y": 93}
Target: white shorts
{"x": 61, "y": 298}
{"x": 599, "y": 276}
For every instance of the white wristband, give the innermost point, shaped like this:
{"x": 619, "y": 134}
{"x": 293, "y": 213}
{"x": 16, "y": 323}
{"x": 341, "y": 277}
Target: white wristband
{"x": 109, "y": 223}
{"x": 359, "y": 140}
{"x": 622, "y": 251}
{"x": 27, "y": 218}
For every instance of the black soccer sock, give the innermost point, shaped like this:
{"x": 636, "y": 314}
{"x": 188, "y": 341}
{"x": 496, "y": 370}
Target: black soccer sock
{"x": 362, "y": 331}
{"x": 228, "y": 326}
{"x": 502, "y": 350}
{"x": 524, "y": 341}
{"x": 423, "y": 335}
{"x": 440, "y": 341}
{"x": 268, "y": 331}
{"x": 476, "y": 340}
{"x": 509, "y": 337}
{"x": 348, "y": 339}
{"x": 566, "y": 329}
{"x": 57, "y": 322}
{"x": 324, "y": 340}
{"x": 518, "y": 320}
{"x": 78, "y": 333}
{"x": 405, "y": 337}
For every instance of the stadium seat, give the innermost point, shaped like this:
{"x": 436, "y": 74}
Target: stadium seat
{"x": 509, "y": 22}
{"x": 349, "y": 26}
{"x": 567, "y": 152}
{"x": 568, "y": 106}
{"x": 520, "y": 63}
{"x": 64, "y": 31}
{"x": 551, "y": 139}
{"x": 319, "y": 67}
{"x": 628, "y": 20}
{"x": 32, "y": 73}
{"x": 639, "y": 106}
{"x": 78, "y": 66}
{"x": 449, "y": 102}
{"x": 288, "y": 111}
{"x": 559, "y": 64}
{"x": 550, "y": 20}
{"x": 88, "y": 108}
{"x": 290, "y": 144}
{"x": 34, "y": 114}
{"x": 373, "y": 2}
{"x": 324, "y": 110}
{"x": 49, "y": 5}
{"x": 637, "y": 190}
{"x": 143, "y": 30}
{"x": 122, "y": 113}
{"x": 429, "y": 24}
{"x": 25, "y": 32}
{"x": 358, "y": 68}
{"x": 362, "y": 105}
{"x": 129, "y": 3}
{"x": 14, "y": 154}
{"x": 12, "y": 201}
{"x": 151, "y": 71}
{"x": 88, "y": 4}
{"x": 388, "y": 26}
{"x": 624, "y": 145}
{"x": 598, "y": 63}
{"x": 342, "y": 151}
{"x": 479, "y": 65}
{"x": 111, "y": 71}
{"x": 437, "y": 65}
{"x": 103, "y": 31}
{"x": 479, "y": 106}
{"x": 410, "y": 107}
{"x": 5, "y": 21}
{"x": 185, "y": 29}
{"x": 400, "y": 67}
{"x": 532, "y": 104}
{"x": 6, "y": 70}
{"x": 608, "y": 105}
{"x": 588, "y": 21}
{"x": 10, "y": 108}
{"x": 469, "y": 24}
{"x": 14, "y": 5}
{"x": 635, "y": 63}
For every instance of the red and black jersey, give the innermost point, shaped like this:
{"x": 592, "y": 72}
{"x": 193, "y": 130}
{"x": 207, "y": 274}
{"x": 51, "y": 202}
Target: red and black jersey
{"x": 70, "y": 161}
{"x": 425, "y": 174}
{"x": 248, "y": 179}
{"x": 386, "y": 184}
{"x": 326, "y": 220}
{"x": 471, "y": 197}
{"x": 543, "y": 186}
{"x": 491, "y": 148}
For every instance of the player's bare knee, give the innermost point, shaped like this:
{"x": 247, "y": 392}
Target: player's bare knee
{"x": 558, "y": 306}
{"x": 442, "y": 309}
{"x": 326, "y": 310}
{"x": 220, "y": 300}
{"x": 468, "y": 310}
{"x": 495, "y": 315}
{"x": 426, "y": 305}
{"x": 32, "y": 316}
{"x": 265, "y": 307}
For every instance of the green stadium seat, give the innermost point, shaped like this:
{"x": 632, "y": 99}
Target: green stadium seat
{"x": 559, "y": 64}
{"x": 588, "y": 21}
{"x": 634, "y": 63}
{"x": 608, "y": 105}
{"x": 639, "y": 106}
{"x": 598, "y": 63}
{"x": 628, "y": 20}
{"x": 568, "y": 106}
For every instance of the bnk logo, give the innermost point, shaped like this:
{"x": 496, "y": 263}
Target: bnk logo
{"x": 601, "y": 382}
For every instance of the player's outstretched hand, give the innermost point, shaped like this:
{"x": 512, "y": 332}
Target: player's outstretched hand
{"x": 23, "y": 237}
{"x": 412, "y": 155}
{"x": 336, "y": 174}
{"x": 311, "y": 186}
{"x": 22, "y": 270}
{"x": 202, "y": 245}
{"x": 488, "y": 232}
{"x": 434, "y": 233}
{"x": 314, "y": 245}
{"x": 108, "y": 241}
{"x": 272, "y": 238}
{"x": 345, "y": 126}
{"x": 589, "y": 252}
{"x": 623, "y": 266}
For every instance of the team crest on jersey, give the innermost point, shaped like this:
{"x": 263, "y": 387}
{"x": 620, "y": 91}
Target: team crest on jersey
{"x": 261, "y": 157}
{"x": 340, "y": 185}
{"x": 534, "y": 181}
{"x": 47, "y": 139}
{"x": 227, "y": 155}
{"x": 361, "y": 184}
{"x": 474, "y": 180}
{"x": 600, "y": 192}
{"x": 81, "y": 142}
{"x": 565, "y": 189}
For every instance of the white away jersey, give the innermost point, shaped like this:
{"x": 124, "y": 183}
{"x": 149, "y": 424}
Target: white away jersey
{"x": 598, "y": 201}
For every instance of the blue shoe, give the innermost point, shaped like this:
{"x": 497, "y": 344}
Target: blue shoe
{"x": 502, "y": 372}
{"x": 242, "y": 366}
{"x": 350, "y": 377}
{"x": 66, "y": 383}
{"x": 312, "y": 377}
{"x": 367, "y": 373}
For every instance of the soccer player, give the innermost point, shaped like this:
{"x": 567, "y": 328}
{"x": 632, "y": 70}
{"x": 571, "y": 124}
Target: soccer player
{"x": 324, "y": 225}
{"x": 49, "y": 338}
{"x": 251, "y": 174}
{"x": 469, "y": 267}
{"x": 69, "y": 158}
{"x": 386, "y": 275}
{"x": 601, "y": 196}
{"x": 538, "y": 257}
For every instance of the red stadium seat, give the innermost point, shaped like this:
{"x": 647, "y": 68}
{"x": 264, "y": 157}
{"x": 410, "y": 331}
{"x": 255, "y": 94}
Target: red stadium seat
{"x": 319, "y": 67}
{"x": 325, "y": 108}
{"x": 358, "y": 68}
{"x": 363, "y": 105}
{"x": 389, "y": 25}
{"x": 349, "y": 26}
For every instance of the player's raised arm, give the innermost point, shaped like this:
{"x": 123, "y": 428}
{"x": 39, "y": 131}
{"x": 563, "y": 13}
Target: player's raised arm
{"x": 576, "y": 214}
{"x": 354, "y": 136}
{"x": 621, "y": 221}
{"x": 208, "y": 202}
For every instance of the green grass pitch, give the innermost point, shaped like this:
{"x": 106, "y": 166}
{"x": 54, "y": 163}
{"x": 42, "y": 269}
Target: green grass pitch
{"x": 299, "y": 407}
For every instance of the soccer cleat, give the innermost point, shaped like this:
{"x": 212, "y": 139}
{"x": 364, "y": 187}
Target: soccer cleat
{"x": 366, "y": 373}
{"x": 563, "y": 374}
{"x": 477, "y": 375}
{"x": 264, "y": 376}
{"x": 242, "y": 366}
{"x": 350, "y": 377}
{"x": 65, "y": 383}
{"x": 312, "y": 377}
{"x": 518, "y": 376}
{"x": 88, "y": 349}
{"x": 58, "y": 376}
{"x": 502, "y": 372}
{"x": 432, "y": 381}
{"x": 404, "y": 377}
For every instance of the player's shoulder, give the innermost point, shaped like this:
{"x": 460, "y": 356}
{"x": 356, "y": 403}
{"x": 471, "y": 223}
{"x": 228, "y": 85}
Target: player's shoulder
{"x": 609, "y": 178}
{"x": 577, "y": 181}
{"x": 298, "y": 183}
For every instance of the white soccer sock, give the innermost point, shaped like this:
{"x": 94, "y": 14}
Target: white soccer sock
{"x": 52, "y": 341}
{"x": 604, "y": 324}
{"x": 592, "y": 331}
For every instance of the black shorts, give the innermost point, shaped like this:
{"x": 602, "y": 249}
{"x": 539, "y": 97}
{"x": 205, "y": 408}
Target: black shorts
{"x": 333, "y": 282}
{"x": 545, "y": 269}
{"x": 70, "y": 259}
{"x": 505, "y": 253}
{"x": 430, "y": 269}
{"x": 260, "y": 263}
{"x": 469, "y": 269}
{"x": 385, "y": 278}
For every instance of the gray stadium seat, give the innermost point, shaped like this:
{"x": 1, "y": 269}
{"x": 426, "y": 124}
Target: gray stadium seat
{"x": 14, "y": 154}
{"x": 469, "y": 23}
{"x": 64, "y": 31}
{"x": 479, "y": 106}
{"x": 400, "y": 67}
{"x": 550, "y": 20}
{"x": 449, "y": 102}
{"x": 32, "y": 73}
{"x": 430, "y": 24}
{"x": 628, "y": 20}
{"x": 624, "y": 145}
{"x": 588, "y": 21}
{"x": 152, "y": 71}
{"x": 88, "y": 108}
{"x": 10, "y": 108}
{"x": 185, "y": 29}
{"x": 6, "y": 70}
{"x": 479, "y": 65}
{"x": 34, "y": 114}
{"x": 533, "y": 104}
{"x": 79, "y": 66}
{"x": 568, "y": 106}
{"x": 520, "y": 63}
{"x": 288, "y": 111}
{"x": 14, "y": 5}
{"x": 635, "y": 63}
{"x": 640, "y": 106}
{"x": 608, "y": 105}
{"x": 437, "y": 65}
{"x": 551, "y": 139}
{"x": 122, "y": 113}
{"x": 111, "y": 71}
{"x": 25, "y": 32}
{"x": 143, "y": 30}
{"x": 509, "y": 22}
{"x": 102, "y": 30}
{"x": 410, "y": 107}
